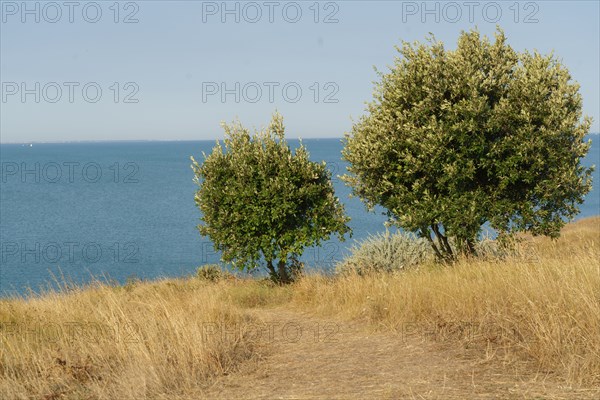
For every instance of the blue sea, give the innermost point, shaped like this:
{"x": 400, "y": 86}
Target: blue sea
{"x": 115, "y": 210}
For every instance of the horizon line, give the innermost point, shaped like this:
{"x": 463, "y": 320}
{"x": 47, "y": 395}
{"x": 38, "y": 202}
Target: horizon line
{"x": 151, "y": 140}
{"x": 167, "y": 140}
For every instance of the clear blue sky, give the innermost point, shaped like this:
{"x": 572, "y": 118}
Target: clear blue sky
{"x": 177, "y": 55}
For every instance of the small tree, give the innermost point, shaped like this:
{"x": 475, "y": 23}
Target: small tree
{"x": 261, "y": 201}
{"x": 455, "y": 139}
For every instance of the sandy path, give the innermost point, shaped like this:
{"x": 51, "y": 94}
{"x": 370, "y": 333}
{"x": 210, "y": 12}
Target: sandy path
{"x": 311, "y": 358}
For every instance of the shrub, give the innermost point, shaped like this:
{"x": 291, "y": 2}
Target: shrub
{"x": 387, "y": 252}
{"x": 261, "y": 201}
{"x": 489, "y": 249}
{"x": 210, "y": 272}
{"x": 392, "y": 252}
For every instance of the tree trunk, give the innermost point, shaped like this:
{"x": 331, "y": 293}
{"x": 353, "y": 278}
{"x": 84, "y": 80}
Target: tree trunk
{"x": 471, "y": 248}
{"x": 448, "y": 255}
{"x": 283, "y": 275}
{"x": 425, "y": 233}
{"x": 271, "y": 269}
{"x": 443, "y": 240}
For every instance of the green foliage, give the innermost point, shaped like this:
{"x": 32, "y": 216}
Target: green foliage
{"x": 457, "y": 138}
{"x": 386, "y": 252}
{"x": 261, "y": 201}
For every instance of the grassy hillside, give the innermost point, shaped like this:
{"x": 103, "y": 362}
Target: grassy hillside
{"x": 543, "y": 305}
{"x": 171, "y": 338}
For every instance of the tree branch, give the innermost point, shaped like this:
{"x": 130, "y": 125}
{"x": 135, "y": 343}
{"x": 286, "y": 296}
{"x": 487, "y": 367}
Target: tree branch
{"x": 271, "y": 269}
{"x": 425, "y": 233}
{"x": 443, "y": 241}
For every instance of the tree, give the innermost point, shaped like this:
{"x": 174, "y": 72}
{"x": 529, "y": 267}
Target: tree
{"x": 457, "y": 138}
{"x": 261, "y": 201}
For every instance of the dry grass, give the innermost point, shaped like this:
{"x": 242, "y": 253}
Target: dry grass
{"x": 171, "y": 338}
{"x": 161, "y": 339}
{"x": 543, "y": 305}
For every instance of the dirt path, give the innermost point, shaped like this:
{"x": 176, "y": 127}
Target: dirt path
{"x": 311, "y": 358}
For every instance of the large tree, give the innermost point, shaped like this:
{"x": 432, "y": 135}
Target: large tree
{"x": 261, "y": 201}
{"x": 457, "y": 138}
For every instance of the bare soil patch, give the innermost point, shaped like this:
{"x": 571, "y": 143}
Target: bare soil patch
{"x": 305, "y": 357}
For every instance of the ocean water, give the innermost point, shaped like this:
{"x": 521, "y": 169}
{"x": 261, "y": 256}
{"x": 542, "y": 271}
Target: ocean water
{"x": 124, "y": 209}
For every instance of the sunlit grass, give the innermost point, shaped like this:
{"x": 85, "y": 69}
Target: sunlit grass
{"x": 163, "y": 339}
{"x": 543, "y": 304}
{"x": 138, "y": 341}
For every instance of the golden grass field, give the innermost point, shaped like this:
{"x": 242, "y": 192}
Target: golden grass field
{"x": 536, "y": 314}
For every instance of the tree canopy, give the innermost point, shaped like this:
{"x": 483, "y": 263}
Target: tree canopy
{"x": 454, "y": 139}
{"x": 261, "y": 201}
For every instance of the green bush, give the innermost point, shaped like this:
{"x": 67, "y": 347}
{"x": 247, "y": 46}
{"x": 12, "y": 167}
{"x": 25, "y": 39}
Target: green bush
{"x": 386, "y": 252}
{"x": 261, "y": 202}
